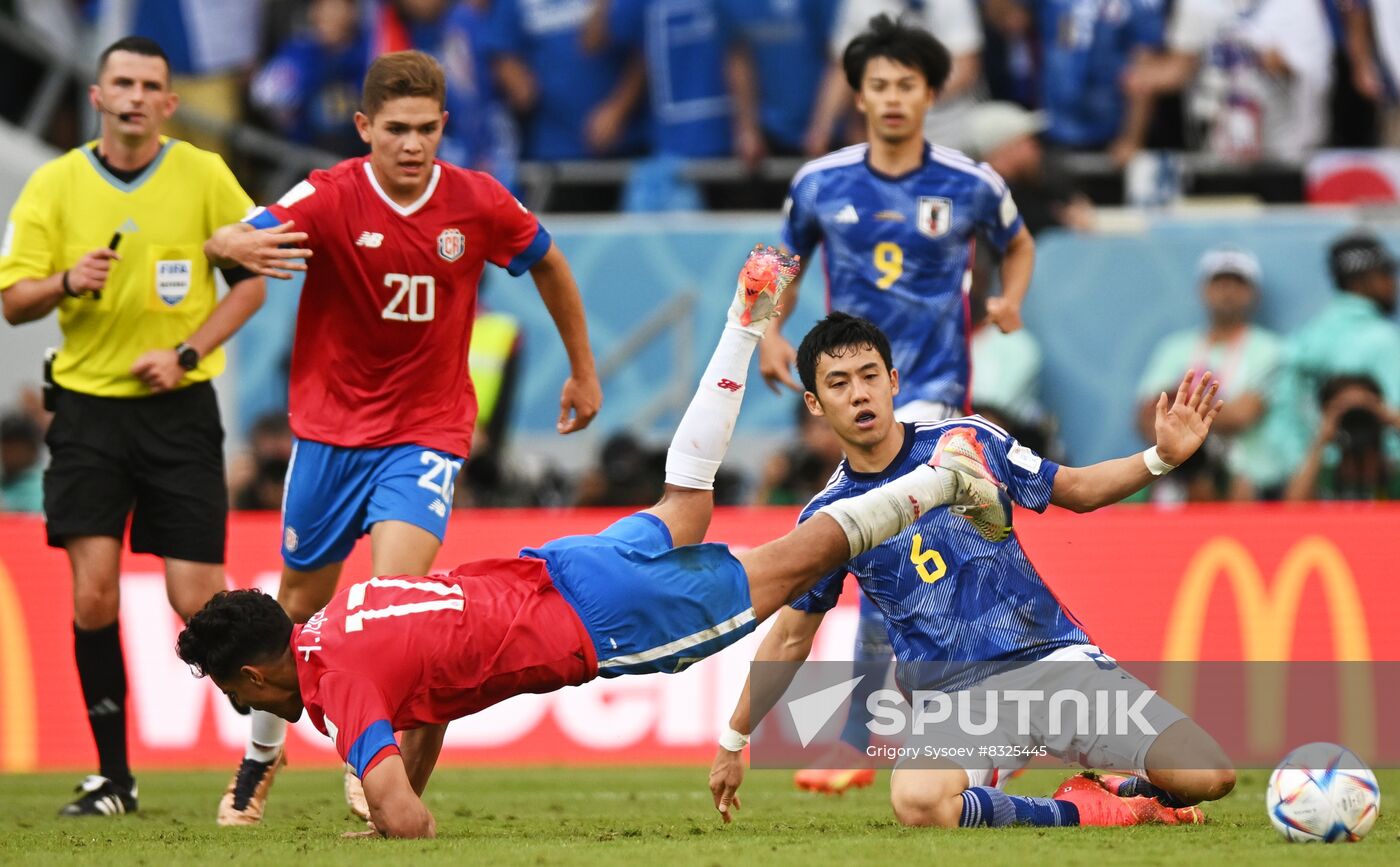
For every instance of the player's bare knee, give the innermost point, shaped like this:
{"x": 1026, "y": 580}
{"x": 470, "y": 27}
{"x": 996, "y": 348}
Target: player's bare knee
{"x": 1194, "y": 786}
{"x": 919, "y": 810}
{"x": 1210, "y": 784}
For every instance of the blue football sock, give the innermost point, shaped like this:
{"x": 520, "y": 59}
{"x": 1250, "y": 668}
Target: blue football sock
{"x": 985, "y": 805}
{"x": 1044, "y": 812}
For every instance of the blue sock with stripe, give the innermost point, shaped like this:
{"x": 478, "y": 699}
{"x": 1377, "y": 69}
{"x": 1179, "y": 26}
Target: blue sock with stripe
{"x": 991, "y": 807}
{"x": 1141, "y": 787}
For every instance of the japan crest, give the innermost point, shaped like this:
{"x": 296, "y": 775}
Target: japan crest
{"x": 935, "y": 215}
{"x": 451, "y": 244}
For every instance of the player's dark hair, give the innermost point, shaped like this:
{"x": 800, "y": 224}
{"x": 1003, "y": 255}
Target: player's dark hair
{"x": 133, "y": 45}
{"x": 234, "y": 629}
{"x": 400, "y": 74}
{"x": 836, "y": 335}
{"x": 905, "y": 44}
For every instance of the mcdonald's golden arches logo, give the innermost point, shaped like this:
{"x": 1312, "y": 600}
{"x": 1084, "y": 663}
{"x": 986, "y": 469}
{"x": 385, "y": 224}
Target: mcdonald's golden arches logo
{"x": 1268, "y": 618}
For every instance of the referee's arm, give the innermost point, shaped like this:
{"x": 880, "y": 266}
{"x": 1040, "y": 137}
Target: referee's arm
{"x": 160, "y": 368}
{"x": 31, "y": 299}
{"x": 245, "y": 295}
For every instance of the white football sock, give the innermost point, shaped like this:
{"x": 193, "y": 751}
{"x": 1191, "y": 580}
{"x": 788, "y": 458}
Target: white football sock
{"x": 874, "y": 516}
{"x": 702, "y": 437}
{"x": 268, "y": 732}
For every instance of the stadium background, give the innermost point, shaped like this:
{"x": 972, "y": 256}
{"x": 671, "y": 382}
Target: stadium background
{"x": 1298, "y": 582}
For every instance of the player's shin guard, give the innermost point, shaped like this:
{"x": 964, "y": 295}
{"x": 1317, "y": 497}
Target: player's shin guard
{"x": 702, "y": 437}
{"x": 102, "y": 673}
{"x": 876, "y": 515}
{"x": 266, "y": 736}
{"x": 985, "y": 805}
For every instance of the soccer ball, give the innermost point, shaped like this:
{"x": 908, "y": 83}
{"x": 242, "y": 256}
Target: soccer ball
{"x": 1323, "y": 792}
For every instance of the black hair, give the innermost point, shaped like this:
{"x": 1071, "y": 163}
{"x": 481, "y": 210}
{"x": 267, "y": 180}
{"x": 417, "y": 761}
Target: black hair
{"x": 832, "y": 336}
{"x": 235, "y": 628}
{"x": 904, "y": 44}
{"x": 136, "y": 45}
{"x": 1333, "y": 386}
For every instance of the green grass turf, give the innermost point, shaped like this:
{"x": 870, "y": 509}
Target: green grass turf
{"x": 626, "y": 816}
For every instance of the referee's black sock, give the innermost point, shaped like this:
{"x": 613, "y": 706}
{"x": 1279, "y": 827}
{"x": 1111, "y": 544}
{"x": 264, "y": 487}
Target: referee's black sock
{"x": 102, "y": 671}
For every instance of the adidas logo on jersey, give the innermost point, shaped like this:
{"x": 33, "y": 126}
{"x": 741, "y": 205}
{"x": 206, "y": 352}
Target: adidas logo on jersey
{"x": 846, "y": 215}
{"x": 369, "y": 239}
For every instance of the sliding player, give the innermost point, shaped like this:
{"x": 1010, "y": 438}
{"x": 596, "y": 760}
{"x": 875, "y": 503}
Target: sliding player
{"x": 399, "y": 653}
{"x": 382, "y": 402}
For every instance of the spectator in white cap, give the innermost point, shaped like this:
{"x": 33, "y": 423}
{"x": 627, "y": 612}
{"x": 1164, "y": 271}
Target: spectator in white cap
{"x": 1003, "y": 135}
{"x": 1244, "y": 357}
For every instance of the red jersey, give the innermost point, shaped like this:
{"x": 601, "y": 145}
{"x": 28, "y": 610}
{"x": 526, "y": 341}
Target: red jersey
{"x": 385, "y": 321}
{"x": 390, "y": 654}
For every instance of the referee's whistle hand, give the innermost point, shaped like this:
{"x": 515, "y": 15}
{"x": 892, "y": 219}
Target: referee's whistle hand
{"x": 89, "y": 274}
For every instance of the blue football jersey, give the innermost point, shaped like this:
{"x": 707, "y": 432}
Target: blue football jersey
{"x": 947, "y": 594}
{"x": 898, "y": 252}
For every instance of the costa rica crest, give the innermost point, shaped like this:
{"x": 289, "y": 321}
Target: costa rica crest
{"x": 452, "y": 244}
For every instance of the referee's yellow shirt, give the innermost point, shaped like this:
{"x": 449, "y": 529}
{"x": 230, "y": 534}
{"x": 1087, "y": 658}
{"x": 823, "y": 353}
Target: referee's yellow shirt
{"x": 160, "y": 291}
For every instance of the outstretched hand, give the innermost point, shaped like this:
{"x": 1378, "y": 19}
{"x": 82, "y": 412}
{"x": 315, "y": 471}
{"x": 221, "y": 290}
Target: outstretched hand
{"x": 273, "y": 252}
{"x": 1182, "y": 425}
{"x": 726, "y": 774}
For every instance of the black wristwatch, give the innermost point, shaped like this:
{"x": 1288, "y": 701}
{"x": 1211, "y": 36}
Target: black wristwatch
{"x": 188, "y": 355}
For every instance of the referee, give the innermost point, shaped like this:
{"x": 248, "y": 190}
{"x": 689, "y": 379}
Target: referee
{"x": 136, "y": 428}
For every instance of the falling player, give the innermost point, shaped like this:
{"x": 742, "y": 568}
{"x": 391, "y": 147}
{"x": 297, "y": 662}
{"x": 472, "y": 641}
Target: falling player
{"x": 382, "y": 403}
{"x": 898, "y": 217}
{"x": 642, "y": 596}
{"x": 956, "y": 589}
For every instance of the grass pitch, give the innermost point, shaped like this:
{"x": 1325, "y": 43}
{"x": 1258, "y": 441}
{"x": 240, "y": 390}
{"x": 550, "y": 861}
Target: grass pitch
{"x": 631, "y": 816}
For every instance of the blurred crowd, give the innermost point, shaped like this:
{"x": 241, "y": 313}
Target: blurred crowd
{"x": 671, "y": 80}
{"x": 1310, "y": 415}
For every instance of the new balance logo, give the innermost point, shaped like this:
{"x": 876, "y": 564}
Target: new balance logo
{"x": 369, "y": 239}
{"x": 846, "y": 215}
{"x": 438, "y": 507}
{"x": 728, "y": 385}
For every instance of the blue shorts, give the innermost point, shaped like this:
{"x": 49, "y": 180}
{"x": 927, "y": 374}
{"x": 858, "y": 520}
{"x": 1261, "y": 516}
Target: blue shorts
{"x": 650, "y": 607}
{"x": 335, "y": 494}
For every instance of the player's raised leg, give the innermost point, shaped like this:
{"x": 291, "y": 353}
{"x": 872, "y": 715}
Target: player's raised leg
{"x": 702, "y": 437}
{"x": 781, "y": 570}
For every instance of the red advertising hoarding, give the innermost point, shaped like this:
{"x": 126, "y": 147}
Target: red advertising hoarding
{"x": 1213, "y": 583}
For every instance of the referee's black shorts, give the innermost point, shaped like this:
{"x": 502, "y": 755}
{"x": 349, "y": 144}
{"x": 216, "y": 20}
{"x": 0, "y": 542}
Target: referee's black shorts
{"x": 159, "y": 459}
